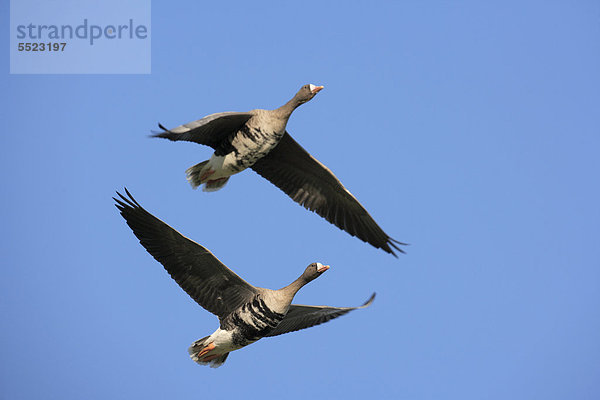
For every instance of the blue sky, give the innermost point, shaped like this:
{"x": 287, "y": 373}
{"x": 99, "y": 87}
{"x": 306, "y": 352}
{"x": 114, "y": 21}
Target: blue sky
{"x": 469, "y": 130}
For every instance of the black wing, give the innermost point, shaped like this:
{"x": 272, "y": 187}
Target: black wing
{"x": 208, "y": 281}
{"x": 302, "y": 317}
{"x": 210, "y": 130}
{"x": 312, "y": 185}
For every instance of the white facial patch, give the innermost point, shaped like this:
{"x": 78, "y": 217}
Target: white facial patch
{"x": 311, "y": 87}
{"x": 321, "y": 267}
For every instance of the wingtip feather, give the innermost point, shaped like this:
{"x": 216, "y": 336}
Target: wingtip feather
{"x": 369, "y": 301}
{"x": 126, "y": 202}
{"x": 164, "y": 133}
{"x": 396, "y": 245}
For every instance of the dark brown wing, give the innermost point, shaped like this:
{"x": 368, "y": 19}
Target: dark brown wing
{"x": 301, "y": 317}
{"x": 208, "y": 281}
{"x": 312, "y": 185}
{"x": 210, "y": 130}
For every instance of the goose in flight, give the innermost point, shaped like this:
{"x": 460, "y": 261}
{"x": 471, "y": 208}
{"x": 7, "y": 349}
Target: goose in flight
{"x": 246, "y": 313}
{"x": 258, "y": 139}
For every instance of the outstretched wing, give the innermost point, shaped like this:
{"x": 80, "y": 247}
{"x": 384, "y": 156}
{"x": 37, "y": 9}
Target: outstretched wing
{"x": 210, "y": 130}
{"x": 206, "y": 279}
{"x": 302, "y": 317}
{"x": 312, "y": 185}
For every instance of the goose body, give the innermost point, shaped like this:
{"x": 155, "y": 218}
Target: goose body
{"x": 258, "y": 139}
{"x": 255, "y": 139}
{"x": 246, "y": 313}
{"x": 249, "y": 323}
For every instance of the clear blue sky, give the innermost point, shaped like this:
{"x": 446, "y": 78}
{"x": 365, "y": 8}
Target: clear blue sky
{"x": 470, "y": 130}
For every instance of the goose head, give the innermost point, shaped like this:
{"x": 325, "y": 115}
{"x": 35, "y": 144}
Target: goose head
{"x": 307, "y": 92}
{"x": 313, "y": 271}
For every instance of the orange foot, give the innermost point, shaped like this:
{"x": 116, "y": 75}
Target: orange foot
{"x": 206, "y": 349}
{"x": 205, "y": 175}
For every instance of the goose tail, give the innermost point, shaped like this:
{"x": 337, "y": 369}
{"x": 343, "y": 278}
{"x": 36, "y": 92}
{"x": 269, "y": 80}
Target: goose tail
{"x": 197, "y": 174}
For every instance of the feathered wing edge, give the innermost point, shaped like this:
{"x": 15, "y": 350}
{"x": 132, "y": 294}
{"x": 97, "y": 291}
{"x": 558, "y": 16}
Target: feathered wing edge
{"x": 195, "y": 269}
{"x": 302, "y": 316}
{"x": 315, "y": 187}
{"x": 210, "y": 130}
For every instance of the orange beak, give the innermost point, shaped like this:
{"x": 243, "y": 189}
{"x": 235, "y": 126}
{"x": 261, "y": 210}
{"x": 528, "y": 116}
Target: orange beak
{"x": 317, "y": 89}
{"x": 323, "y": 268}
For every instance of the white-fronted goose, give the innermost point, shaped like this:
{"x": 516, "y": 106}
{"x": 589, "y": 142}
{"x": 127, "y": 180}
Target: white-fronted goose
{"x": 257, "y": 139}
{"x": 246, "y": 313}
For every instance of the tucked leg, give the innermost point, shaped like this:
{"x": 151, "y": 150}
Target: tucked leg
{"x": 205, "y": 175}
{"x": 205, "y": 350}
{"x": 210, "y": 358}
